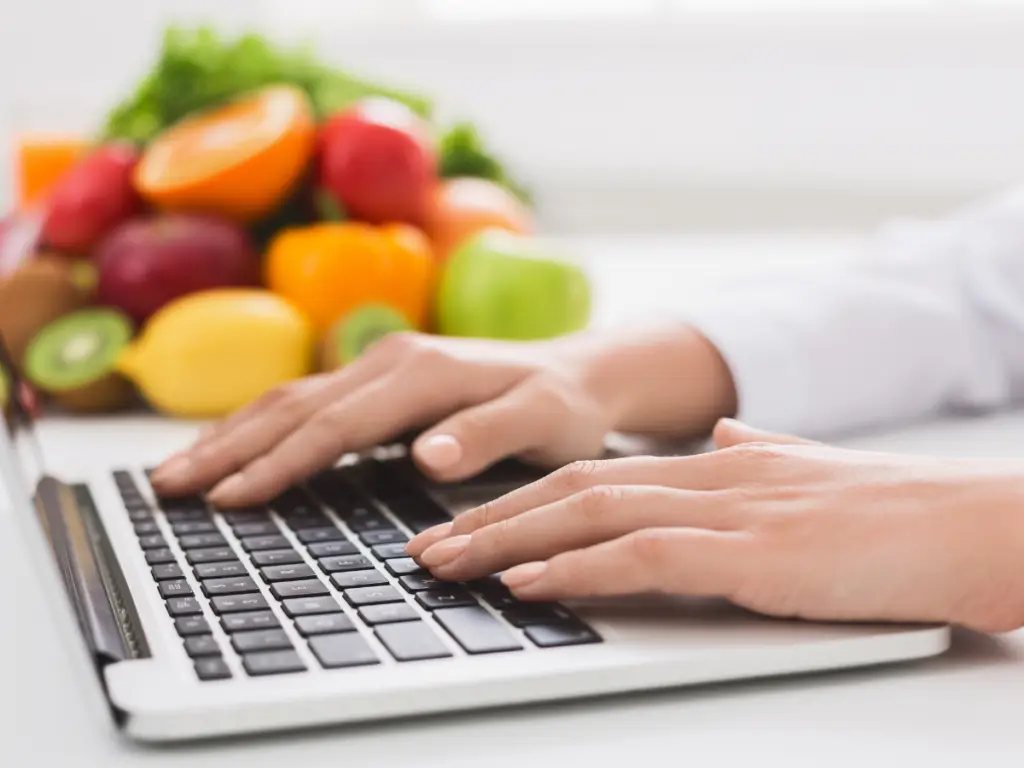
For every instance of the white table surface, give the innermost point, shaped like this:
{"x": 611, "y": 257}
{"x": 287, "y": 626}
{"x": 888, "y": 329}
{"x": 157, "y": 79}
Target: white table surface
{"x": 964, "y": 708}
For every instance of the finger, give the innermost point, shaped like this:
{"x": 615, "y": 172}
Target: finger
{"x": 680, "y": 561}
{"x": 533, "y": 417}
{"x": 602, "y": 513}
{"x": 729, "y": 433}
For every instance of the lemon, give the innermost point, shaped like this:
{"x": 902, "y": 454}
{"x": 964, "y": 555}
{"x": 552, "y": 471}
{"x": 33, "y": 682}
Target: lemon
{"x": 209, "y": 353}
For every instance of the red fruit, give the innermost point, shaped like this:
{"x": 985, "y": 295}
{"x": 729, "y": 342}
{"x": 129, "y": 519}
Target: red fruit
{"x": 146, "y": 263}
{"x": 91, "y": 199}
{"x": 377, "y": 159}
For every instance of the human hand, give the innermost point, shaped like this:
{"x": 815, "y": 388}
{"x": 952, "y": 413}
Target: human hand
{"x": 776, "y": 525}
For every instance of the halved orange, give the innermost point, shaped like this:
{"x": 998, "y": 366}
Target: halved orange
{"x": 239, "y": 160}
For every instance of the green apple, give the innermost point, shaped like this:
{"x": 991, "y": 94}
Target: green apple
{"x": 504, "y": 285}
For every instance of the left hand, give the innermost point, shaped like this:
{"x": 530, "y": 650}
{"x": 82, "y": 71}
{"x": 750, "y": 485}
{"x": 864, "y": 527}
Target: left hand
{"x": 775, "y": 524}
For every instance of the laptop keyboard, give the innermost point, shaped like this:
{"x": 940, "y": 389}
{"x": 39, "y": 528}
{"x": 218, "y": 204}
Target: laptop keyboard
{"x": 324, "y": 565}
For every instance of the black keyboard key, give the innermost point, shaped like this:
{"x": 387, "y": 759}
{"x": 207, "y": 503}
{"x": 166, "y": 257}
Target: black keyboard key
{"x": 201, "y": 645}
{"x": 233, "y": 585}
{"x": 303, "y": 522}
{"x": 404, "y": 566}
{"x": 140, "y": 515}
{"x": 276, "y": 557}
{"x": 345, "y": 563}
{"x": 372, "y": 595}
{"x": 476, "y": 630}
{"x": 212, "y": 668}
{"x": 326, "y": 624}
{"x": 383, "y": 536}
{"x": 201, "y": 540}
{"x": 192, "y": 528}
{"x": 220, "y": 570}
{"x": 146, "y": 528}
{"x": 495, "y": 594}
{"x": 257, "y": 528}
{"x": 369, "y": 523}
{"x": 287, "y": 573}
{"x": 418, "y": 582}
{"x": 285, "y": 590}
{"x": 333, "y": 549}
{"x": 191, "y": 625}
{"x": 167, "y": 572}
{"x": 272, "y": 663}
{"x": 261, "y": 543}
{"x": 387, "y": 613}
{"x": 263, "y": 640}
{"x": 449, "y": 597}
{"x": 154, "y": 541}
{"x": 212, "y": 555}
{"x": 159, "y": 556}
{"x": 246, "y": 622}
{"x": 179, "y": 588}
{"x": 234, "y": 517}
{"x": 390, "y": 551}
{"x": 349, "y": 579}
{"x": 412, "y": 641}
{"x": 184, "y": 606}
{"x": 342, "y": 650}
{"x": 317, "y": 535}
{"x": 310, "y": 606}
{"x": 238, "y": 603}
{"x": 556, "y": 635}
{"x": 528, "y": 615}
{"x": 186, "y": 515}
{"x": 357, "y": 514}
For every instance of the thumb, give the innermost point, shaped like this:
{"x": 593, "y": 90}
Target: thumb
{"x": 729, "y": 433}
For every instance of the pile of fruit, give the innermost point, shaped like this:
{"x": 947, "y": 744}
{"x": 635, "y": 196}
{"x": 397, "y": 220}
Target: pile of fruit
{"x": 195, "y": 258}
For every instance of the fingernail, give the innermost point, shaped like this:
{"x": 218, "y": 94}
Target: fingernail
{"x": 226, "y": 488}
{"x": 523, "y": 575}
{"x": 170, "y": 469}
{"x": 440, "y": 451}
{"x": 419, "y": 543}
{"x": 445, "y": 551}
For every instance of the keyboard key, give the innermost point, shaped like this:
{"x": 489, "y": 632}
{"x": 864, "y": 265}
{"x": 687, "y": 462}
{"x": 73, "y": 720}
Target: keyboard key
{"x": 369, "y": 523}
{"x": 284, "y": 590}
{"x": 189, "y": 529}
{"x": 317, "y": 535}
{"x": 349, "y": 579}
{"x": 345, "y": 563}
{"x": 412, "y": 641}
{"x": 220, "y": 570}
{"x": 179, "y": 588}
{"x": 184, "y": 606}
{"x": 528, "y": 615}
{"x": 555, "y": 635}
{"x": 186, "y": 515}
{"x": 140, "y": 515}
{"x": 303, "y": 522}
{"x": 154, "y": 541}
{"x": 327, "y": 624}
{"x": 272, "y": 663}
{"x": 212, "y": 668}
{"x": 372, "y": 595}
{"x": 277, "y": 557}
{"x": 260, "y": 543}
{"x": 404, "y": 566}
{"x": 214, "y": 555}
{"x": 238, "y": 603}
{"x": 201, "y": 540}
{"x": 191, "y": 625}
{"x": 383, "y": 536}
{"x": 257, "y": 528}
{"x": 234, "y": 517}
{"x": 233, "y": 585}
{"x": 449, "y": 597}
{"x": 264, "y": 640}
{"x": 418, "y": 583}
{"x": 387, "y": 613}
{"x": 246, "y": 622}
{"x": 310, "y": 606}
{"x": 159, "y": 556}
{"x": 287, "y": 573}
{"x": 495, "y": 594}
{"x": 201, "y": 645}
{"x": 333, "y": 549}
{"x": 390, "y": 551}
{"x": 342, "y": 650}
{"x": 476, "y": 630}
{"x": 167, "y": 572}
{"x": 146, "y": 528}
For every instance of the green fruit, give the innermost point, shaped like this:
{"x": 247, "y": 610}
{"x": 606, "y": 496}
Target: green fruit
{"x": 72, "y": 359}
{"x": 504, "y": 285}
{"x": 349, "y": 337}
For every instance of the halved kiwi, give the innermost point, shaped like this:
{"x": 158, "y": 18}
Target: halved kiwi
{"x": 72, "y": 360}
{"x": 349, "y": 337}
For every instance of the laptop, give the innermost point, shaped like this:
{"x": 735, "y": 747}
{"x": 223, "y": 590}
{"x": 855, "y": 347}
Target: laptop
{"x": 305, "y": 611}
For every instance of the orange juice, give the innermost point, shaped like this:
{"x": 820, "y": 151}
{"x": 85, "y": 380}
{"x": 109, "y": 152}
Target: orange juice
{"x": 41, "y": 160}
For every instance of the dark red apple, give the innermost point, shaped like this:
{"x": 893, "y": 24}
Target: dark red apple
{"x": 148, "y": 262}
{"x": 378, "y": 161}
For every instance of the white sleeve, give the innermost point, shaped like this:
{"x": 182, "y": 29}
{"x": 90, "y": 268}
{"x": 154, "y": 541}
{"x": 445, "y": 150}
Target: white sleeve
{"x": 929, "y": 320}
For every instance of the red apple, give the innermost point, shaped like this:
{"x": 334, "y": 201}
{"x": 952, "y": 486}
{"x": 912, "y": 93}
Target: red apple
{"x": 148, "y": 262}
{"x": 378, "y": 161}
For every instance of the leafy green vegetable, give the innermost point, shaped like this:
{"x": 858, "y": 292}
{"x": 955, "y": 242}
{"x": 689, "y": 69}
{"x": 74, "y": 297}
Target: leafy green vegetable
{"x": 462, "y": 153}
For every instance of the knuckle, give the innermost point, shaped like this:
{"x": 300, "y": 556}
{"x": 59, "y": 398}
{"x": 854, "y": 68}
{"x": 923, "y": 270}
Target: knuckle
{"x": 757, "y": 452}
{"x": 577, "y": 476}
{"x": 596, "y": 501}
{"x": 647, "y": 547}
{"x": 397, "y": 344}
{"x": 474, "y": 519}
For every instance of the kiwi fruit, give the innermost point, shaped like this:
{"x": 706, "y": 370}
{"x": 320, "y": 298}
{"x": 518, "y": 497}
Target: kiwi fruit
{"x": 37, "y": 293}
{"x": 349, "y": 337}
{"x": 72, "y": 360}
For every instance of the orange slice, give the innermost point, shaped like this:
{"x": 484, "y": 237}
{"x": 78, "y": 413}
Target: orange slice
{"x": 41, "y": 160}
{"x": 239, "y": 160}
